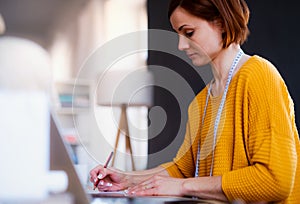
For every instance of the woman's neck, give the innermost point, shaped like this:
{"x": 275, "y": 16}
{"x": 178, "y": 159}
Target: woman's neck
{"x": 221, "y": 66}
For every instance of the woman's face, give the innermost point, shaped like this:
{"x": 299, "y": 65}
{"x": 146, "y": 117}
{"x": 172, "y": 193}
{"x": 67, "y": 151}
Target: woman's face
{"x": 200, "y": 39}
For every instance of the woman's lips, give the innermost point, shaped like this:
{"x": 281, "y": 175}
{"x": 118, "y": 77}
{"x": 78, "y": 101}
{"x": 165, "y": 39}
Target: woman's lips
{"x": 190, "y": 55}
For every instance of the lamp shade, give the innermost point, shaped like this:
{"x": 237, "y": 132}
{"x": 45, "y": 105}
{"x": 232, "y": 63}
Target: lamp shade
{"x": 130, "y": 88}
{"x": 25, "y": 65}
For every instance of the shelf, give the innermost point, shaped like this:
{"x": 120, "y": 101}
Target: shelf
{"x": 72, "y": 96}
{"x": 71, "y": 111}
{"x": 72, "y": 102}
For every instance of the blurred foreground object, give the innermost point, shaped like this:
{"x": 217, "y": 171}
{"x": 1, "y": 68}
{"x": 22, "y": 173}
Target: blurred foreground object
{"x": 25, "y": 123}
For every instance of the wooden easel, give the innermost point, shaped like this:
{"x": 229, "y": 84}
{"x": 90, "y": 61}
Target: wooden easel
{"x": 123, "y": 126}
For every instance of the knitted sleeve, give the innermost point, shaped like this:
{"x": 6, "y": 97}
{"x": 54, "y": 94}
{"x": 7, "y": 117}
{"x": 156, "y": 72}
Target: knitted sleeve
{"x": 182, "y": 165}
{"x": 270, "y": 141}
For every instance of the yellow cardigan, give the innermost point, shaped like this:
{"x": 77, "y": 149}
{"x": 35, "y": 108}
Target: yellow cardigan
{"x": 257, "y": 144}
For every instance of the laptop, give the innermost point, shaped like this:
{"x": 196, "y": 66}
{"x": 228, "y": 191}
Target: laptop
{"x": 60, "y": 159}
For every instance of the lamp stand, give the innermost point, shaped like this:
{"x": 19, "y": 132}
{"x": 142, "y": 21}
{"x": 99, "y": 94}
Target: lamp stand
{"x": 123, "y": 125}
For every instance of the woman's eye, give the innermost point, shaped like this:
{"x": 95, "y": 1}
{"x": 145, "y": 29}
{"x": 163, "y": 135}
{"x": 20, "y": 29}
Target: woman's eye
{"x": 189, "y": 34}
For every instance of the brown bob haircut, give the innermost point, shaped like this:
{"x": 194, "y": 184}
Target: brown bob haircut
{"x": 233, "y": 15}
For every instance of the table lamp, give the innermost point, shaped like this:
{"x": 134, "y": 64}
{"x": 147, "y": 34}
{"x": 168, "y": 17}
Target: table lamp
{"x": 125, "y": 89}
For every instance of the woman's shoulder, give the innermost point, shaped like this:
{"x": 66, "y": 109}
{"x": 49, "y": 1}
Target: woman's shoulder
{"x": 258, "y": 63}
{"x": 257, "y": 67}
{"x": 259, "y": 72}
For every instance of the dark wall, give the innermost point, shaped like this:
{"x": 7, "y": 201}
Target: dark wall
{"x": 273, "y": 36}
{"x": 173, "y": 94}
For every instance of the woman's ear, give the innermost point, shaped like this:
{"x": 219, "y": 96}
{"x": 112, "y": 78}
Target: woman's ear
{"x": 219, "y": 24}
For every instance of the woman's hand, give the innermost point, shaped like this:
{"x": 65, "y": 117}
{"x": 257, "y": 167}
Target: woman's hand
{"x": 109, "y": 179}
{"x": 158, "y": 186}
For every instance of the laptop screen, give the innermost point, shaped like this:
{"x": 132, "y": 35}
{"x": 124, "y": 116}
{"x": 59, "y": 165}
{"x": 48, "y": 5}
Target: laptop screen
{"x": 60, "y": 160}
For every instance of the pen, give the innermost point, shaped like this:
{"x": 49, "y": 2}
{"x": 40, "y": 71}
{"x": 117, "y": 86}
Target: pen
{"x": 105, "y": 166}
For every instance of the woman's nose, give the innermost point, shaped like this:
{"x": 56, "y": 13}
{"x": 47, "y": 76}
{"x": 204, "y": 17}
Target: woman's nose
{"x": 183, "y": 43}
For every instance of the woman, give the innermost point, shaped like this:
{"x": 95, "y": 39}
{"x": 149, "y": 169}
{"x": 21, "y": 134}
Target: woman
{"x": 241, "y": 140}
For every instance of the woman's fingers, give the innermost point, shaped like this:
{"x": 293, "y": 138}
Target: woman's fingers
{"x": 104, "y": 185}
{"x": 97, "y": 174}
{"x": 157, "y": 185}
{"x": 108, "y": 179}
{"x": 145, "y": 188}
